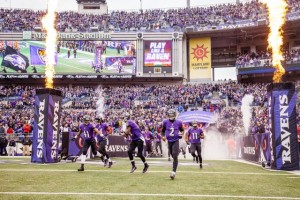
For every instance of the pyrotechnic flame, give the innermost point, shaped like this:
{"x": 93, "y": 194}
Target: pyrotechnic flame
{"x": 277, "y": 10}
{"x": 49, "y": 25}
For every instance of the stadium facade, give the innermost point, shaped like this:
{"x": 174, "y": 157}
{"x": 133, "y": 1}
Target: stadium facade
{"x": 168, "y": 56}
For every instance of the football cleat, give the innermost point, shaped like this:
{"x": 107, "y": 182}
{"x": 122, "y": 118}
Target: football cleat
{"x": 105, "y": 162}
{"x": 172, "y": 176}
{"x": 145, "y": 168}
{"x": 81, "y": 169}
{"x": 197, "y": 159}
{"x": 110, "y": 164}
{"x": 133, "y": 169}
{"x": 200, "y": 165}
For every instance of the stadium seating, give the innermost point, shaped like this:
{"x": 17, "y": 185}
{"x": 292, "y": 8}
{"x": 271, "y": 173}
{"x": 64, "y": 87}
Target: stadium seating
{"x": 212, "y": 17}
{"x": 147, "y": 104}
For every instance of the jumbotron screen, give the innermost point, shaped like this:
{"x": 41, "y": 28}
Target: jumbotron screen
{"x": 158, "y": 53}
{"x": 72, "y": 57}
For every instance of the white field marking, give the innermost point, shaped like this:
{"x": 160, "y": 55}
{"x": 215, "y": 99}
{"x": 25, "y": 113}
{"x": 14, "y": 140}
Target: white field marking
{"x": 127, "y": 171}
{"x": 294, "y": 177}
{"x": 295, "y": 172}
{"x": 151, "y": 195}
{"x": 81, "y": 69}
{"x": 156, "y": 163}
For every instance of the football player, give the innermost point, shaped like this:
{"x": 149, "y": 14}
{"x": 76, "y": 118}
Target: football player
{"x": 194, "y": 136}
{"x": 137, "y": 140}
{"x": 88, "y": 131}
{"x": 172, "y": 131}
{"x": 102, "y": 140}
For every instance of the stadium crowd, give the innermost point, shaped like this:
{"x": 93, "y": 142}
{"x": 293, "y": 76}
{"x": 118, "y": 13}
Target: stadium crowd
{"x": 224, "y": 14}
{"x": 147, "y": 105}
{"x": 263, "y": 58}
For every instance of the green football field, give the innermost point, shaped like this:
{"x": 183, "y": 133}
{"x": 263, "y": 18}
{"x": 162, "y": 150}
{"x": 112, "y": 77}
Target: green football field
{"x": 217, "y": 180}
{"x": 82, "y": 64}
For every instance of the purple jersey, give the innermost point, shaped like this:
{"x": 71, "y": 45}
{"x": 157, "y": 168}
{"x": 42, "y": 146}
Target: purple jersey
{"x": 135, "y": 130}
{"x": 172, "y": 129}
{"x": 147, "y": 136}
{"x": 158, "y": 138}
{"x": 103, "y": 128}
{"x": 194, "y": 135}
{"x": 88, "y": 131}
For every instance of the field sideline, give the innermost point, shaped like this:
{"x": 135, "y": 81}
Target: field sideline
{"x": 217, "y": 180}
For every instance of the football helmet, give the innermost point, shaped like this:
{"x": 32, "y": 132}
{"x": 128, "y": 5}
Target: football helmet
{"x": 86, "y": 119}
{"x": 171, "y": 114}
{"x": 194, "y": 123}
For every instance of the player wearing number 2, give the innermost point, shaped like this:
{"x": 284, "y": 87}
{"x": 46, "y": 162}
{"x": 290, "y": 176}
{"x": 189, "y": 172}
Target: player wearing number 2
{"x": 89, "y": 131}
{"x": 172, "y": 131}
{"x": 194, "y": 135}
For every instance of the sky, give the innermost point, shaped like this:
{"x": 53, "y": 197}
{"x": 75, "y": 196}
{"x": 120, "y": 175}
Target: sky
{"x": 67, "y": 5}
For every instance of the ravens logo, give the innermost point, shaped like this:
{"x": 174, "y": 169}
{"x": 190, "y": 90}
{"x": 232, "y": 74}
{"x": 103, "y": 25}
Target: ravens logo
{"x": 42, "y": 54}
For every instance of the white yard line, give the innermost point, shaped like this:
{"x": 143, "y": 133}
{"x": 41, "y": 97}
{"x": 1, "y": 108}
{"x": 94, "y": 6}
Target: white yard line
{"x": 81, "y": 69}
{"x": 296, "y": 172}
{"x": 149, "y": 195}
{"x": 127, "y": 171}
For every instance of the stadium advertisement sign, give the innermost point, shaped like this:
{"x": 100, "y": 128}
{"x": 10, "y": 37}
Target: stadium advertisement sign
{"x": 200, "y": 58}
{"x": 251, "y": 148}
{"x": 70, "y": 36}
{"x": 158, "y": 53}
{"x": 72, "y": 57}
{"x": 116, "y": 146}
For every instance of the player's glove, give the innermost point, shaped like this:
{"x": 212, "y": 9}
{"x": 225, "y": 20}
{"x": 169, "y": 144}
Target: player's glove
{"x": 74, "y": 138}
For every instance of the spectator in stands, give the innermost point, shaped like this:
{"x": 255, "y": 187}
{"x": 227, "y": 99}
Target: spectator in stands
{"x": 26, "y": 128}
{"x": 10, "y": 131}
{"x": 11, "y": 147}
{"x": 2, "y": 129}
{"x": 3, "y": 145}
{"x": 26, "y": 145}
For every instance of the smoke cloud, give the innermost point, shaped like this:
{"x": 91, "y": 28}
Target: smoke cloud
{"x": 100, "y": 102}
{"x": 246, "y": 111}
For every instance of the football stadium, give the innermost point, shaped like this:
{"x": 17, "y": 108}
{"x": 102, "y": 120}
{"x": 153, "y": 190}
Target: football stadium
{"x": 140, "y": 99}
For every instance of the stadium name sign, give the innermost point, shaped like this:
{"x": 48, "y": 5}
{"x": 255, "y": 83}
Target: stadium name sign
{"x": 73, "y": 36}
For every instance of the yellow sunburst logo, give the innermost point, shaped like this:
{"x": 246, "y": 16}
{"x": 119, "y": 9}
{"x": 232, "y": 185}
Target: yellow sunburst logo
{"x": 200, "y": 52}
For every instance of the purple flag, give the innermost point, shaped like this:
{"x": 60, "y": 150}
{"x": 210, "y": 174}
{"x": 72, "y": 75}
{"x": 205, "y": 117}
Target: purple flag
{"x": 38, "y": 55}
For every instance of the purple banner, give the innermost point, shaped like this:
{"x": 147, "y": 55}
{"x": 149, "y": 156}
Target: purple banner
{"x": 45, "y": 135}
{"x": 282, "y": 115}
{"x": 38, "y": 145}
{"x": 38, "y": 56}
